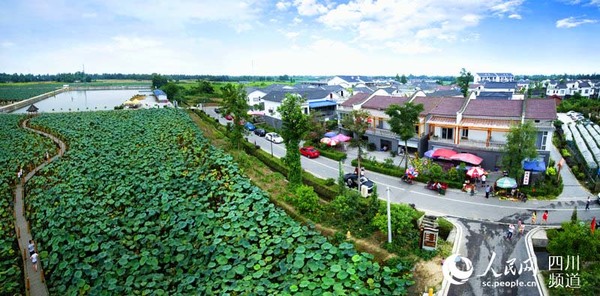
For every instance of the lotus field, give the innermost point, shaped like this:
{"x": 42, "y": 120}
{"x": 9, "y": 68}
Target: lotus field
{"x": 141, "y": 203}
{"x": 17, "y": 148}
{"x": 21, "y": 91}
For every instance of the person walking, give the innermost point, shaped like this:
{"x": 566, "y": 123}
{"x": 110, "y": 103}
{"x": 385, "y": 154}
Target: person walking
{"x": 545, "y": 217}
{"x": 521, "y": 229}
{"x": 487, "y": 191}
{"x": 533, "y": 217}
{"x": 511, "y": 230}
{"x": 483, "y": 179}
{"x": 587, "y": 203}
{"x": 31, "y": 247}
{"x": 34, "y": 261}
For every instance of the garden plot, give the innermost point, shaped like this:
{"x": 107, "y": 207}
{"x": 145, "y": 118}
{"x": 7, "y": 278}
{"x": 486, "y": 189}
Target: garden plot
{"x": 583, "y": 141}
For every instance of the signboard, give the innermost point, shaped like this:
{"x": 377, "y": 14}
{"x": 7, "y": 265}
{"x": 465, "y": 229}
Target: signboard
{"x": 430, "y": 239}
{"x": 526, "y": 177}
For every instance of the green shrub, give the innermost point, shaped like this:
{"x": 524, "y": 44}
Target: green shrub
{"x": 329, "y": 182}
{"x": 565, "y": 153}
{"x": 371, "y": 146}
{"x": 307, "y": 200}
{"x": 445, "y": 227}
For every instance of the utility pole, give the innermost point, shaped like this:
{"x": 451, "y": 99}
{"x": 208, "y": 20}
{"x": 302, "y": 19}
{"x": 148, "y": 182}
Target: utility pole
{"x": 389, "y": 216}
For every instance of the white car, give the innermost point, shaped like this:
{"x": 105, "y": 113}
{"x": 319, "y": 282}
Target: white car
{"x": 274, "y": 137}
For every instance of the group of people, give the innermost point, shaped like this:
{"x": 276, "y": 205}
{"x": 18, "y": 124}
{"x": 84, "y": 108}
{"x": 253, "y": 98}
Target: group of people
{"x": 33, "y": 255}
{"x": 521, "y": 227}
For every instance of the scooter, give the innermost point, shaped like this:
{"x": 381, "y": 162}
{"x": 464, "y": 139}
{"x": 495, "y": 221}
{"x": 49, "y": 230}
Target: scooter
{"x": 407, "y": 179}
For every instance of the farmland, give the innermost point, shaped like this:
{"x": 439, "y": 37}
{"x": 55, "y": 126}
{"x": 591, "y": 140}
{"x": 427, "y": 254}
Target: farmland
{"x": 17, "y": 148}
{"x": 22, "y": 91}
{"x": 141, "y": 203}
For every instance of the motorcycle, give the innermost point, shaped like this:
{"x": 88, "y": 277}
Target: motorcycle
{"x": 437, "y": 186}
{"x": 408, "y": 179}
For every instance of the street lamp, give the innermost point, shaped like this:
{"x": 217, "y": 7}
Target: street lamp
{"x": 271, "y": 148}
{"x": 389, "y": 216}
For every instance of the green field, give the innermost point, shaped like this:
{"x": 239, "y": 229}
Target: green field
{"x": 17, "y": 148}
{"x": 141, "y": 203}
{"x": 22, "y": 91}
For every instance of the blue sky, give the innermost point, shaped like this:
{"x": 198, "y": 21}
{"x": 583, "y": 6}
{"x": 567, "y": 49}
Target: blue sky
{"x": 300, "y": 37}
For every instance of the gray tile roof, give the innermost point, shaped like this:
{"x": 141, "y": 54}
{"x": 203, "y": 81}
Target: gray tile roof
{"x": 543, "y": 109}
{"x": 494, "y": 95}
{"x": 501, "y": 85}
{"x": 308, "y": 94}
{"x": 429, "y": 103}
{"x": 494, "y": 108}
{"x": 448, "y": 106}
{"x": 358, "y": 98}
{"x": 382, "y": 102}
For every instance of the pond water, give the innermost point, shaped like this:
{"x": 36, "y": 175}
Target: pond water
{"x": 85, "y": 100}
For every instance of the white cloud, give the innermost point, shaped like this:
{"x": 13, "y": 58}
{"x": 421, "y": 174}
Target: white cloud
{"x": 393, "y": 20}
{"x": 283, "y": 5}
{"x": 506, "y": 7}
{"x": 515, "y": 16}
{"x": 572, "y": 22}
{"x": 310, "y": 7}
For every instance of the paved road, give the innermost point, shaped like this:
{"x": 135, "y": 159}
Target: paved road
{"x": 486, "y": 245}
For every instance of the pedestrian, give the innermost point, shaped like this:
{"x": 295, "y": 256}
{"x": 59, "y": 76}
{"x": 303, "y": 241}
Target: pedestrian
{"x": 483, "y": 179}
{"x": 487, "y": 191}
{"x": 31, "y": 247}
{"x": 362, "y": 171}
{"x": 521, "y": 229}
{"x": 473, "y": 190}
{"x": 20, "y": 173}
{"x": 587, "y": 204}
{"x": 519, "y": 223}
{"x": 34, "y": 261}
{"x": 47, "y": 156}
{"x": 533, "y": 217}
{"x": 545, "y": 217}
{"x": 511, "y": 230}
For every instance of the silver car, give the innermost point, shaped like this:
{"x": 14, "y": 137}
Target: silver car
{"x": 274, "y": 137}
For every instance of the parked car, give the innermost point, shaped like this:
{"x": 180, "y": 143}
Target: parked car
{"x": 351, "y": 179}
{"x": 310, "y": 152}
{"x": 260, "y": 132}
{"x": 249, "y": 126}
{"x": 274, "y": 137}
{"x": 228, "y": 117}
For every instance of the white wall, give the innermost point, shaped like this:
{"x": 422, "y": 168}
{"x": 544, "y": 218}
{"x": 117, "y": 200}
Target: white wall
{"x": 272, "y": 105}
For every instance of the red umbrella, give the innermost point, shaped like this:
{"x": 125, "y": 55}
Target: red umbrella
{"x": 443, "y": 153}
{"x": 475, "y": 172}
{"x": 467, "y": 157}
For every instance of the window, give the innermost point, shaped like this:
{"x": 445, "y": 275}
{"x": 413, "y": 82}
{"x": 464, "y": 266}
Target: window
{"x": 447, "y": 133}
{"x": 464, "y": 133}
{"x": 540, "y": 142}
{"x": 417, "y": 130}
{"x": 544, "y": 139}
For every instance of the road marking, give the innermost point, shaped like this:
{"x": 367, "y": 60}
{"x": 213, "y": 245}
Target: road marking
{"x": 489, "y": 205}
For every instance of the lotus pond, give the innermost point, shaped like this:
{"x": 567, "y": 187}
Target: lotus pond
{"x": 18, "y": 148}
{"x": 141, "y": 203}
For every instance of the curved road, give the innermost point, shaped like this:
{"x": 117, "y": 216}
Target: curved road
{"x": 37, "y": 284}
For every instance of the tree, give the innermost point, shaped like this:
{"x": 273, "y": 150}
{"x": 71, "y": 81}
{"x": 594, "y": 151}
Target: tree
{"x": 316, "y": 128}
{"x": 357, "y": 122}
{"x": 205, "y": 87}
{"x": 463, "y": 81}
{"x": 397, "y": 77}
{"x": 403, "y": 79}
{"x": 158, "y": 80}
{"x": 171, "y": 89}
{"x": 234, "y": 104}
{"x": 403, "y": 120}
{"x": 520, "y": 144}
{"x": 293, "y": 128}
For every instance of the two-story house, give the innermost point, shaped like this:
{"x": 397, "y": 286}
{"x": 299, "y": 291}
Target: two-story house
{"x": 493, "y": 77}
{"x": 315, "y": 100}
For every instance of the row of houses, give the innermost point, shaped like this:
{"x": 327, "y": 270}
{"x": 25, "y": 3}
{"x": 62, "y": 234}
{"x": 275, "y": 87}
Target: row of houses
{"x": 476, "y": 124}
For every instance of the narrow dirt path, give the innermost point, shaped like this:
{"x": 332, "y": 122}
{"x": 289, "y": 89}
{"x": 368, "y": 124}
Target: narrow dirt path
{"x": 34, "y": 280}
